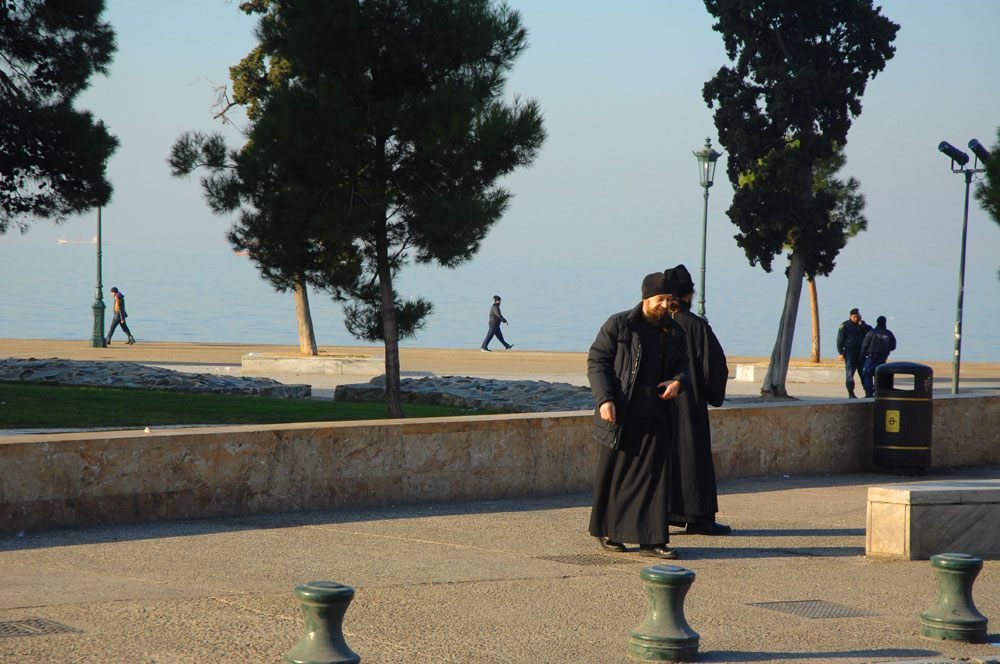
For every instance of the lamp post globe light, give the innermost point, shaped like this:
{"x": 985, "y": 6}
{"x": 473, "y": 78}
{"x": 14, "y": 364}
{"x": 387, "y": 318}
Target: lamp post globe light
{"x": 961, "y": 158}
{"x": 707, "y": 157}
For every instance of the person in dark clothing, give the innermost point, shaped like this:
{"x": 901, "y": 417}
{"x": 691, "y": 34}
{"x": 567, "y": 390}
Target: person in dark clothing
{"x": 637, "y": 366}
{"x": 850, "y": 336}
{"x": 119, "y": 317}
{"x": 875, "y": 349}
{"x": 495, "y": 319}
{"x": 694, "y": 495}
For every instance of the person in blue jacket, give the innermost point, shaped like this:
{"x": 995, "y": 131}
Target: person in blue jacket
{"x": 119, "y": 317}
{"x": 875, "y": 349}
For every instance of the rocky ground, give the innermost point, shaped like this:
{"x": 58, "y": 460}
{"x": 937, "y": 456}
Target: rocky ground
{"x": 515, "y": 396}
{"x": 138, "y": 376}
{"x": 511, "y": 396}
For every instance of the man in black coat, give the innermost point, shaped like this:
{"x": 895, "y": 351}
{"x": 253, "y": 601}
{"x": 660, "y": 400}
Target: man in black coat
{"x": 694, "y": 496}
{"x": 875, "y": 350}
{"x": 495, "y": 319}
{"x": 850, "y": 336}
{"x": 636, "y": 367}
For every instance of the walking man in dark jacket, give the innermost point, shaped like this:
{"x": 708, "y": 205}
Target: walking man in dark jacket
{"x": 694, "y": 495}
{"x": 875, "y": 349}
{"x": 850, "y": 336}
{"x": 637, "y": 366}
{"x": 495, "y": 319}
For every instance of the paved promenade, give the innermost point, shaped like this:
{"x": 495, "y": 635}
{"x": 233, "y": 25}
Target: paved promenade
{"x": 494, "y": 582}
{"x": 516, "y": 580}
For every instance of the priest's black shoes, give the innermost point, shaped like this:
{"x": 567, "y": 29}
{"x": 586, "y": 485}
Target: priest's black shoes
{"x": 707, "y": 529}
{"x": 657, "y": 551}
{"x": 610, "y": 545}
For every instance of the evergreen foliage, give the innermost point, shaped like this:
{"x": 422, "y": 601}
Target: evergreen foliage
{"x": 988, "y": 191}
{"x": 782, "y": 110}
{"x": 52, "y": 156}
{"x": 379, "y": 133}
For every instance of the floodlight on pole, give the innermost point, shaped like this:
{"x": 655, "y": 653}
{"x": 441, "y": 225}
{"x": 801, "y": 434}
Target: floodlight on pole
{"x": 707, "y": 158}
{"x": 961, "y": 158}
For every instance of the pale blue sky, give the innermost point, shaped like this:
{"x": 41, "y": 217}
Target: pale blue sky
{"x": 620, "y": 87}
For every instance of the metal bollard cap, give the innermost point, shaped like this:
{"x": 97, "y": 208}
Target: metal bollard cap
{"x": 667, "y": 575}
{"x": 959, "y": 562}
{"x": 324, "y": 592}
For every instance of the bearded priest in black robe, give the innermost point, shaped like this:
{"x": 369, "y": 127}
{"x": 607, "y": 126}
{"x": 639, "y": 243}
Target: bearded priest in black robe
{"x": 694, "y": 497}
{"x": 637, "y": 366}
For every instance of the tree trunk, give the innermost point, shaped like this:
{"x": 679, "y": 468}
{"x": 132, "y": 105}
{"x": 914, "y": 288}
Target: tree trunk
{"x": 307, "y": 336}
{"x": 814, "y": 306}
{"x": 777, "y": 370}
{"x": 390, "y": 332}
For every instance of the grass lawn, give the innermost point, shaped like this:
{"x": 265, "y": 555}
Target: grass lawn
{"x": 43, "y": 406}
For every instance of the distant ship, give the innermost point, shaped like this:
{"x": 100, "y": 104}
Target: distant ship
{"x": 63, "y": 240}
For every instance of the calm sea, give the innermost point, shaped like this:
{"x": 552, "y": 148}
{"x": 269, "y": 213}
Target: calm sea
{"x": 555, "y": 304}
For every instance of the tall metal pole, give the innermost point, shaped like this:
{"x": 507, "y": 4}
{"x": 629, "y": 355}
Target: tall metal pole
{"x": 97, "y": 340}
{"x": 704, "y": 231}
{"x": 956, "y": 361}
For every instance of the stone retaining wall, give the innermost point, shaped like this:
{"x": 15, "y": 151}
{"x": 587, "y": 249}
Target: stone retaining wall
{"x": 80, "y": 479}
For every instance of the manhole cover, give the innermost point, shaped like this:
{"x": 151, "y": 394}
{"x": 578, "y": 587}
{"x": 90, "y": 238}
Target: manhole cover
{"x": 33, "y": 627}
{"x": 586, "y": 559}
{"x": 813, "y": 608}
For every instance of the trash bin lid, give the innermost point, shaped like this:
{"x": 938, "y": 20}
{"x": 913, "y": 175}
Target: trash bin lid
{"x": 904, "y": 368}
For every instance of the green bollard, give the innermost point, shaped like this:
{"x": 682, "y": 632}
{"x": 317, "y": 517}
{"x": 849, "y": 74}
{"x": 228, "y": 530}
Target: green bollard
{"x": 324, "y": 604}
{"x": 665, "y": 636}
{"x": 954, "y": 616}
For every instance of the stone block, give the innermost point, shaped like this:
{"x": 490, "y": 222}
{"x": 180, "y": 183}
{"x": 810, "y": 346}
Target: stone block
{"x": 264, "y": 365}
{"x": 919, "y": 520}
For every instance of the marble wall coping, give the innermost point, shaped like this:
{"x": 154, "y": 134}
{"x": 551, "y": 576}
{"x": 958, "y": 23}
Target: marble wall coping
{"x": 952, "y": 492}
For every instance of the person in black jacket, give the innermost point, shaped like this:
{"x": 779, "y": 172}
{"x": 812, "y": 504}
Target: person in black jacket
{"x": 495, "y": 319}
{"x": 850, "y": 336}
{"x": 875, "y": 349}
{"x": 694, "y": 495}
{"x": 637, "y": 365}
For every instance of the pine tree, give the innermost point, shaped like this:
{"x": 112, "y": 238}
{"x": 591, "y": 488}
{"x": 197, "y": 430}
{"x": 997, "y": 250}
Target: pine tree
{"x": 52, "y": 157}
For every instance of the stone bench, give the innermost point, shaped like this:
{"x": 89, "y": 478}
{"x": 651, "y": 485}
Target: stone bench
{"x": 920, "y": 520}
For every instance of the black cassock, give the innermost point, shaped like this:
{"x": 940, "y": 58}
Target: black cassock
{"x": 632, "y": 484}
{"x": 693, "y": 495}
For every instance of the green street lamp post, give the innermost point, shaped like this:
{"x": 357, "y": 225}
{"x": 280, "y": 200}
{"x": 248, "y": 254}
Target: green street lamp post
{"x": 706, "y": 174}
{"x": 961, "y": 158}
{"x": 97, "y": 340}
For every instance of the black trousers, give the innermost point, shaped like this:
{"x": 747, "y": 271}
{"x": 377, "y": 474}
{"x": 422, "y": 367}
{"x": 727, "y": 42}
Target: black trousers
{"x": 853, "y": 365}
{"x": 494, "y": 332}
{"x": 115, "y": 322}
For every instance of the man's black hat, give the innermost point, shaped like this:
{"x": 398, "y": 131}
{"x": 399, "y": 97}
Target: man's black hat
{"x": 655, "y": 284}
{"x": 855, "y": 312}
{"x": 680, "y": 281}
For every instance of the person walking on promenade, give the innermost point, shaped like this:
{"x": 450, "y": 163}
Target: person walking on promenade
{"x": 875, "y": 350}
{"x": 636, "y": 366}
{"x": 119, "y": 317}
{"x": 495, "y": 319}
{"x": 850, "y": 336}
{"x": 693, "y": 493}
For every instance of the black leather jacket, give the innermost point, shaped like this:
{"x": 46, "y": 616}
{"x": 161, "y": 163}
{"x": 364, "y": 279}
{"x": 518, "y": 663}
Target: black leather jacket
{"x": 613, "y": 363}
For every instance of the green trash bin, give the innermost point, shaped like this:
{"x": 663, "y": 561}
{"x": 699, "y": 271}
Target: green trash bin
{"x": 903, "y": 410}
